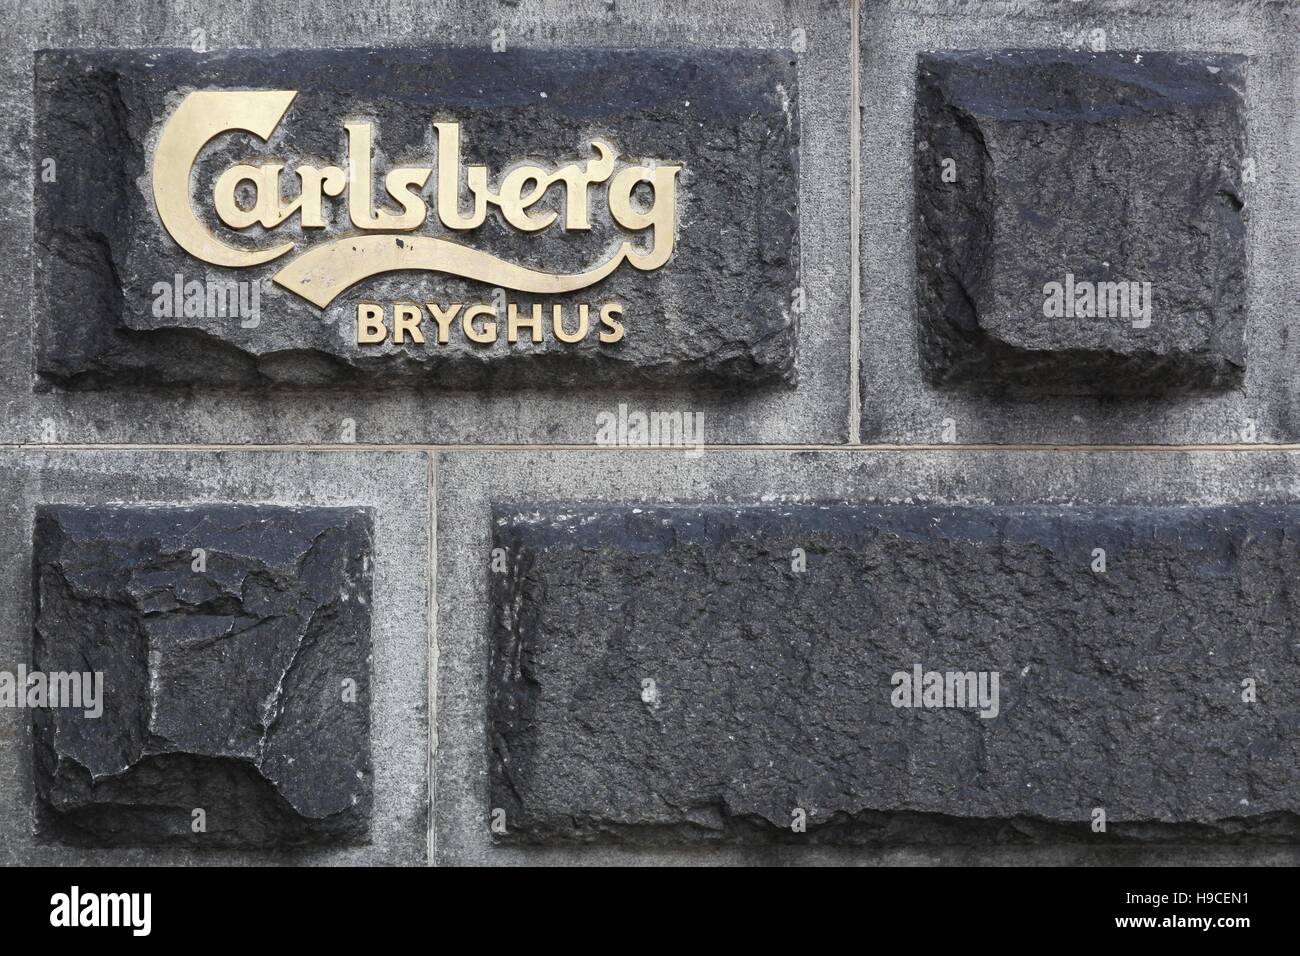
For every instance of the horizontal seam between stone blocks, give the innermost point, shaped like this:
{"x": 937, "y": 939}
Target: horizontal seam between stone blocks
{"x": 668, "y": 450}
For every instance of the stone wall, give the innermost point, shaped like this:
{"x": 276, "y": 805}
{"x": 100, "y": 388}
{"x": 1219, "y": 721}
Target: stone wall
{"x": 851, "y": 432}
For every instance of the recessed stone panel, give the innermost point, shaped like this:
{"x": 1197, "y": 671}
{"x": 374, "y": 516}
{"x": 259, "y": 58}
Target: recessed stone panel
{"x": 1079, "y": 221}
{"x": 683, "y": 674}
{"x": 451, "y": 218}
{"x": 233, "y": 644}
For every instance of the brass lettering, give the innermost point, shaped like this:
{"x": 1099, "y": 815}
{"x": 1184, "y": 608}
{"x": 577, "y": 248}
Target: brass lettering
{"x": 660, "y": 218}
{"x": 478, "y": 322}
{"x": 406, "y": 319}
{"x": 513, "y": 322}
{"x": 488, "y": 335}
{"x": 641, "y": 199}
{"x": 398, "y": 184}
{"x": 557, "y": 323}
{"x": 200, "y": 117}
{"x": 615, "y": 327}
{"x": 316, "y": 184}
{"x": 370, "y": 324}
{"x": 443, "y": 318}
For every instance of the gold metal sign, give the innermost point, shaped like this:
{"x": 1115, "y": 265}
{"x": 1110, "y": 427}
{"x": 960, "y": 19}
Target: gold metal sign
{"x": 383, "y": 241}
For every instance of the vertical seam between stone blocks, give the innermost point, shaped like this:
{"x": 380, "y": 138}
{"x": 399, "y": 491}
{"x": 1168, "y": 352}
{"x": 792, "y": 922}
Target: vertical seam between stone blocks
{"x": 431, "y": 669}
{"x": 855, "y": 225}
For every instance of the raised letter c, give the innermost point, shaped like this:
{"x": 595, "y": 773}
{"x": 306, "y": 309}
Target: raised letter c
{"x": 201, "y": 116}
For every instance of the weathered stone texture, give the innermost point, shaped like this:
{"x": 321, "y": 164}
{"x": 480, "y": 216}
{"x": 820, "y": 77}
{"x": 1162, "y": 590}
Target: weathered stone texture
{"x": 223, "y": 687}
{"x": 1112, "y": 167}
{"x": 716, "y": 314}
{"x": 772, "y": 686}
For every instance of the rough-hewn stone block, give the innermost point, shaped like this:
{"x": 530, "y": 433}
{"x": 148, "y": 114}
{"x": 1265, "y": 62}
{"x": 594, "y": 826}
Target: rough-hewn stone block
{"x": 702, "y": 673}
{"x": 235, "y": 678}
{"x": 1079, "y": 225}
{"x": 118, "y": 295}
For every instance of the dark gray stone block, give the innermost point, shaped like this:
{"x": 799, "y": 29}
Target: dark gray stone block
{"x": 1115, "y": 176}
{"x": 717, "y": 314}
{"x": 773, "y": 688}
{"x": 223, "y": 688}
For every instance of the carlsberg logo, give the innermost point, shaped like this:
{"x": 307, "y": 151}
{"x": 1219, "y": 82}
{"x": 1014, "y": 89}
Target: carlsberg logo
{"x": 388, "y": 240}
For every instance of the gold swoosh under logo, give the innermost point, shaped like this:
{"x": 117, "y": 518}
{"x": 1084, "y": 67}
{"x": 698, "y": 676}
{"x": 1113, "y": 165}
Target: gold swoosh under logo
{"x": 323, "y": 273}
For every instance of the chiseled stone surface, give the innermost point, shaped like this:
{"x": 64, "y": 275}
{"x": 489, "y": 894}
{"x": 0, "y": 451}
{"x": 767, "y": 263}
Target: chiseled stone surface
{"x": 718, "y": 313}
{"x": 1115, "y": 175}
{"x": 223, "y": 687}
{"x": 772, "y": 687}
{"x": 817, "y": 410}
